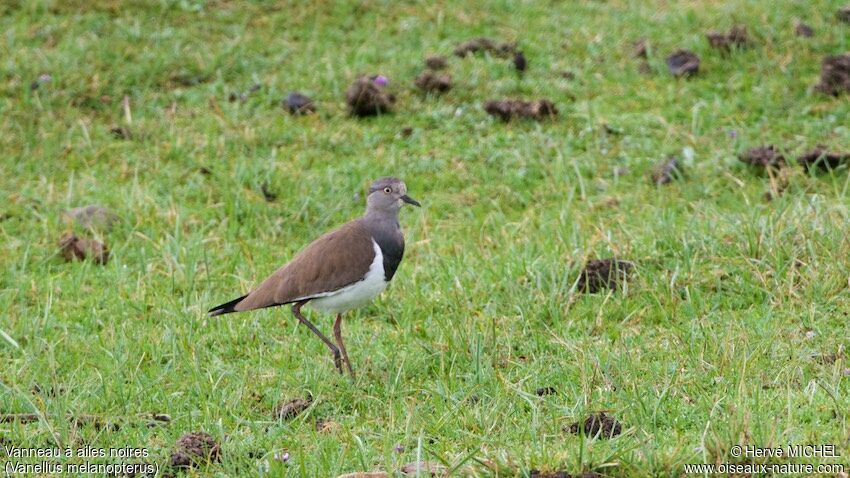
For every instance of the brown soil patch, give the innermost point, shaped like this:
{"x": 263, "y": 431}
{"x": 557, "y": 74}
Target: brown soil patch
{"x": 507, "y": 110}
{"x": 834, "y": 75}
{"x": 434, "y": 82}
{"x": 121, "y": 132}
{"x": 603, "y": 274}
{"x": 804, "y": 30}
{"x": 823, "y": 159}
{"x": 683, "y": 63}
{"x": 436, "y": 63}
{"x": 268, "y": 194}
{"x": 366, "y": 98}
{"x": 481, "y": 45}
{"x": 767, "y": 156}
{"x": 667, "y": 171}
{"x": 520, "y": 62}
{"x": 195, "y": 449}
{"x": 324, "y": 425}
{"x": 736, "y": 37}
{"x": 299, "y": 104}
{"x": 292, "y": 408}
{"x": 598, "y": 424}
{"x": 543, "y": 391}
{"x": 75, "y": 248}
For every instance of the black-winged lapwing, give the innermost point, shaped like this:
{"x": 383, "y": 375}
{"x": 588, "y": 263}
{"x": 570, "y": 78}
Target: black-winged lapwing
{"x": 341, "y": 270}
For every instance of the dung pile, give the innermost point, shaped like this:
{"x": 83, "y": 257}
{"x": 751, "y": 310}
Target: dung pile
{"x": 834, "y": 75}
{"x": 736, "y": 37}
{"x": 507, "y": 110}
{"x": 767, "y": 156}
{"x": 683, "y": 63}
{"x": 195, "y": 449}
{"x": 431, "y": 82}
{"x": 481, "y": 45}
{"x": 367, "y": 96}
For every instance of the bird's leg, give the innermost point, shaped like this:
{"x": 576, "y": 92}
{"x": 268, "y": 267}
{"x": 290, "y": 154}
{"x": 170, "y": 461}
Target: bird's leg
{"x": 341, "y": 345}
{"x": 296, "y": 311}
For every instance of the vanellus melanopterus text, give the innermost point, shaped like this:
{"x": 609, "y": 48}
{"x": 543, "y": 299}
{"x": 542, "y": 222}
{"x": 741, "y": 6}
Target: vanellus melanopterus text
{"x": 341, "y": 270}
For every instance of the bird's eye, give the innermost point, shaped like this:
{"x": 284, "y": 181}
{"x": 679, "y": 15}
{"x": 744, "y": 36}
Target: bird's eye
{"x": 388, "y": 190}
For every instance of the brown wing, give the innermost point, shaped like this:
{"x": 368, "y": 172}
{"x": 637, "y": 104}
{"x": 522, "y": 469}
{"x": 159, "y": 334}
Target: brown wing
{"x": 331, "y": 262}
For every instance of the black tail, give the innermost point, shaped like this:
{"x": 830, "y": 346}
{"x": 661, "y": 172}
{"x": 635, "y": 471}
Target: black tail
{"x": 225, "y": 308}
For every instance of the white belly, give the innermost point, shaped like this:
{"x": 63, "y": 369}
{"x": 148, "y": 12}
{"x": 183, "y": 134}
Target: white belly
{"x": 357, "y": 294}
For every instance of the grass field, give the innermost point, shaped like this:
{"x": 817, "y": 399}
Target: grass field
{"x": 731, "y": 332}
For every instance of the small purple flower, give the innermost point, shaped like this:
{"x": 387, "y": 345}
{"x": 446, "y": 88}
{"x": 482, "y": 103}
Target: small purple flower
{"x": 733, "y": 133}
{"x": 381, "y": 80}
{"x": 399, "y": 448}
{"x": 282, "y": 458}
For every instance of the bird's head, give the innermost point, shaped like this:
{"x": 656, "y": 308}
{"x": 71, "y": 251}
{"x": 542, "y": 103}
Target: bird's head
{"x": 388, "y": 195}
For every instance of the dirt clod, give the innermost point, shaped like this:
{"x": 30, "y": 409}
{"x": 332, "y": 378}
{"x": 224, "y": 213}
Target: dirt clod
{"x": 75, "y": 248}
{"x": 597, "y": 424}
{"x": 603, "y": 274}
{"x": 804, "y": 30}
{"x": 667, "y": 171}
{"x": 763, "y": 156}
{"x": 822, "y": 158}
{"x": 829, "y": 358}
{"x": 299, "y": 104}
{"x": 834, "y": 75}
{"x": 843, "y": 14}
{"x": 158, "y": 419}
{"x": 436, "y": 63}
{"x": 121, "y": 132}
{"x": 520, "y": 63}
{"x": 325, "y": 425}
{"x": 542, "y": 391}
{"x": 683, "y": 63}
{"x": 367, "y": 97}
{"x": 509, "y": 109}
{"x": 268, "y": 194}
{"x": 195, "y": 449}
{"x": 292, "y": 408}
{"x": 485, "y": 45}
{"x": 434, "y": 82}
{"x": 91, "y": 217}
{"x": 736, "y": 37}
{"x": 424, "y": 468}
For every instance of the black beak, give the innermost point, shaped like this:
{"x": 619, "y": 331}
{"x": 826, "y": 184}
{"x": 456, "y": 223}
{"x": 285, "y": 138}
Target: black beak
{"x": 410, "y": 200}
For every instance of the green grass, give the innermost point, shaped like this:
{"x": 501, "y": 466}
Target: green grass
{"x": 709, "y": 346}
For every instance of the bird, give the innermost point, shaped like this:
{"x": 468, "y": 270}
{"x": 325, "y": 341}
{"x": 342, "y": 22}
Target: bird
{"x": 341, "y": 270}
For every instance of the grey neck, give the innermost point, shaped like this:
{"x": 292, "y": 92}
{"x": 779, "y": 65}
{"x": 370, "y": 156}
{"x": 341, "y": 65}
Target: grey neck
{"x": 385, "y": 230}
{"x": 381, "y": 215}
